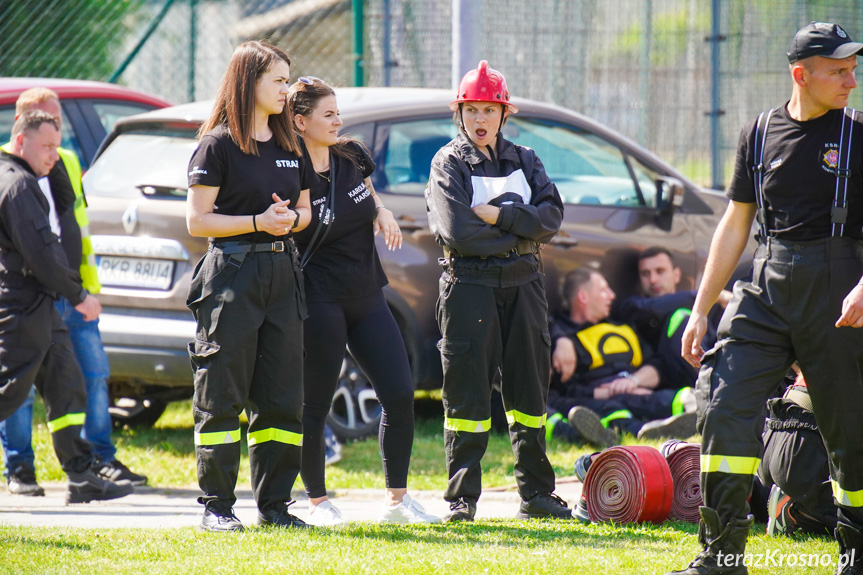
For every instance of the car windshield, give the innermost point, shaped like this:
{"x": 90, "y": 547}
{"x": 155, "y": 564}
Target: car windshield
{"x": 152, "y": 163}
{"x": 586, "y": 168}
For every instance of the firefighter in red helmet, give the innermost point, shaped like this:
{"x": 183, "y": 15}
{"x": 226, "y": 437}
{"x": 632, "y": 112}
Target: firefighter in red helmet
{"x": 491, "y": 206}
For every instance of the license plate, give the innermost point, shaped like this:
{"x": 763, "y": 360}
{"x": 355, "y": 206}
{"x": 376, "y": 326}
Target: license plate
{"x": 135, "y": 272}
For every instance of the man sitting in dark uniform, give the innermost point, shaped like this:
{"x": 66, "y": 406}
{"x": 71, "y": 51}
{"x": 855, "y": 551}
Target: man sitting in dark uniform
{"x": 792, "y": 490}
{"x": 33, "y": 339}
{"x": 660, "y": 315}
{"x": 603, "y": 367}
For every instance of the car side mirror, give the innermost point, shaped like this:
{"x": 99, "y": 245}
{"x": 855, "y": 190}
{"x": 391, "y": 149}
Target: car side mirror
{"x": 669, "y": 195}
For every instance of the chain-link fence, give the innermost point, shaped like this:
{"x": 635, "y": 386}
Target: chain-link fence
{"x": 643, "y": 67}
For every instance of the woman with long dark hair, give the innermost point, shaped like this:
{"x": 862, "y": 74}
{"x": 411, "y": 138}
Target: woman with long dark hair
{"x": 248, "y": 191}
{"x": 344, "y": 281}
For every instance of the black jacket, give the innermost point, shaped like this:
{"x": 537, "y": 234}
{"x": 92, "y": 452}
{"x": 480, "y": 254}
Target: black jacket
{"x": 455, "y": 225}
{"x": 31, "y": 257}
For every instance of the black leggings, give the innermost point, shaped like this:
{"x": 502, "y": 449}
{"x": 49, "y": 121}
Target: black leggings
{"x": 367, "y": 326}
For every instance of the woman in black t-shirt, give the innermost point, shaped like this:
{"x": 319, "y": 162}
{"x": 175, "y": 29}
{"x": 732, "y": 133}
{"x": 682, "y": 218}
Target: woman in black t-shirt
{"x": 248, "y": 187}
{"x": 344, "y": 281}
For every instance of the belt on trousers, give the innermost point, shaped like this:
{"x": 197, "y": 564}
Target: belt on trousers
{"x": 521, "y": 248}
{"x": 629, "y": 485}
{"x": 245, "y": 248}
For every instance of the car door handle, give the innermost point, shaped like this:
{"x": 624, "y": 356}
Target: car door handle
{"x": 564, "y": 241}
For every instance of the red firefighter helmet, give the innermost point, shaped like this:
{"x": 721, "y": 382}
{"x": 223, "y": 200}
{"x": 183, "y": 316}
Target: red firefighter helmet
{"x": 483, "y": 85}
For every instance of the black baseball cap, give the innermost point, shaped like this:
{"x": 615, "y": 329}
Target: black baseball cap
{"x": 822, "y": 39}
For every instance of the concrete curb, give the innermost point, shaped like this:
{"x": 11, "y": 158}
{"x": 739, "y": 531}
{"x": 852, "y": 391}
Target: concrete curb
{"x": 154, "y": 507}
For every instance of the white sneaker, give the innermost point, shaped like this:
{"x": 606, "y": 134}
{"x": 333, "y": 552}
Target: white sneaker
{"x": 408, "y": 511}
{"x": 325, "y": 514}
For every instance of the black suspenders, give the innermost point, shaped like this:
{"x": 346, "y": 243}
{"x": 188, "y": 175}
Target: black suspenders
{"x": 839, "y": 210}
{"x": 758, "y": 169}
{"x": 839, "y": 213}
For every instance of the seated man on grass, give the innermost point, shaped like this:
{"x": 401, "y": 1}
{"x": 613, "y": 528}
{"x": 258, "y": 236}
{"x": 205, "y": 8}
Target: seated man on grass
{"x": 661, "y": 313}
{"x": 605, "y": 380}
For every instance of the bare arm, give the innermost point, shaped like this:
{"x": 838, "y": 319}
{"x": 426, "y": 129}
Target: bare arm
{"x": 202, "y": 222}
{"x": 303, "y": 209}
{"x": 384, "y": 221}
{"x": 852, "y": 308}
{"x": 642, "y": 382}
{"x": 727, "y": 246}
{"x": 564, "y": 359}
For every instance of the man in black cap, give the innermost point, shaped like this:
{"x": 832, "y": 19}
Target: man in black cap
{"x": 799, "y": 168}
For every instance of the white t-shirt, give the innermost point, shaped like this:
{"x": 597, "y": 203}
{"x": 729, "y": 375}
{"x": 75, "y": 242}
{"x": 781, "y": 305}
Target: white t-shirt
{"x": 52, "y": 212}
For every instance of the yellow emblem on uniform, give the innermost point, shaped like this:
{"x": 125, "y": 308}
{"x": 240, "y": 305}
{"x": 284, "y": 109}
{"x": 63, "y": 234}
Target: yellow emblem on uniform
{"x": 831, "y": 159}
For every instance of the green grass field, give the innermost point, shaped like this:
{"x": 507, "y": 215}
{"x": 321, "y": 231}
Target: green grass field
{"x": 165, "y": 453}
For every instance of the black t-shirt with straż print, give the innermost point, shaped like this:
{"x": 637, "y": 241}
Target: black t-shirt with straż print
{"x": 246, "y": 182}
{"x": 346, "y": 265}
{"x": 799, "y": 182}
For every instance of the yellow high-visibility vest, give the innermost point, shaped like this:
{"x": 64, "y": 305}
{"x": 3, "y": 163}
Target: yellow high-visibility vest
{"x": 89, "y": 270}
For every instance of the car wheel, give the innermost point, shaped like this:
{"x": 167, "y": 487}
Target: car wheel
{"x": 136, "y": 412}
{"x": 356, "y": 413}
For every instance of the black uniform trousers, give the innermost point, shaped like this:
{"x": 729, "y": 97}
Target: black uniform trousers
{"x": 35, "y": 349}
{"x": 248, "y": 354}
{"x": 626, "y": 411}
{"x": 486, "y": 329}
{"x": 795, "y": 460}
{"x": 367, "y": 326}
{"x": 785, "y": 312}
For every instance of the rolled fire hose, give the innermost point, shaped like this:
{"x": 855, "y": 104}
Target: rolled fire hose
{"x": 684, "y": 461}
{"x": 629, "y": 485}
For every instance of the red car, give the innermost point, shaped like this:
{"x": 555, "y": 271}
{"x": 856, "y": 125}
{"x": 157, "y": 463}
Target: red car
{"x": 90, "y": 109}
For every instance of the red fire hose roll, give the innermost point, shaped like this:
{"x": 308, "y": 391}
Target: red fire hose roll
{"x": 684, "y": 461}
{"x": 629, "y": 485}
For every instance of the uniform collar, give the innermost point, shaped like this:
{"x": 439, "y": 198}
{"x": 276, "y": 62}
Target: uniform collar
{"x": 4, "y": 155}
{"x": 470, "y": 153}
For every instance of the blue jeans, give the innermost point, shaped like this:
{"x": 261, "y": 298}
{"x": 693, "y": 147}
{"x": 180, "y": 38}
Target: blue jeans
{"x": 16, "y": 432}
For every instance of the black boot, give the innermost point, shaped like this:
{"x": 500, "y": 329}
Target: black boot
{"x": 723, "y": 546}
{"x": 850, "y": 550}
{"x": 219, "y": 516}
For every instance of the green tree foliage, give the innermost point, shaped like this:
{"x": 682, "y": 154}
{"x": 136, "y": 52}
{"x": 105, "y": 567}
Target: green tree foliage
{"x": 64, "y": 38}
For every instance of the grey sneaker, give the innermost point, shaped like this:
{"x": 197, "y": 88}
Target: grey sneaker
{"x": 779, "y": 518}
{"x": 682, "y": 425}
{"x": 22, "y": 481}
{"x": 589, "y": 425}
{"x": 87, "y": 486}
{"x": 582, "y": 465}
{"x": 580, "y": 511}
{"x": 118, "y": 473}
